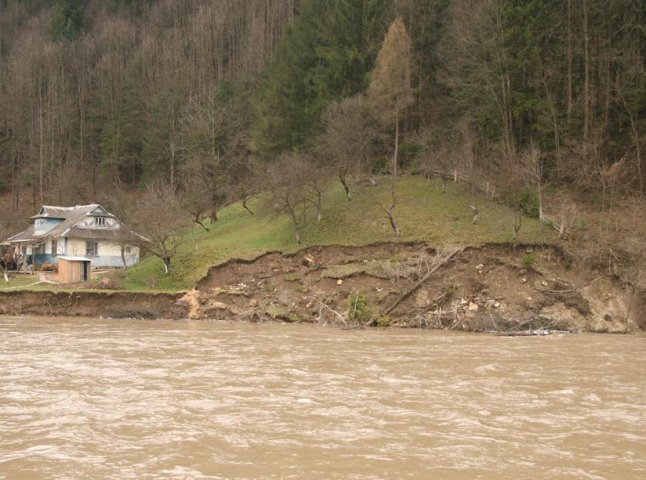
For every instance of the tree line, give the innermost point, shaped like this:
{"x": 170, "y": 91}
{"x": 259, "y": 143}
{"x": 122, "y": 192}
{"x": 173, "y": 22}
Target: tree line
{"x": 199, "y": 96}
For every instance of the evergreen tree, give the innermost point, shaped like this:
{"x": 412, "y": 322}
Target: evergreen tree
{"x": 68, "y": 20}
{"x": 326, "y": 55}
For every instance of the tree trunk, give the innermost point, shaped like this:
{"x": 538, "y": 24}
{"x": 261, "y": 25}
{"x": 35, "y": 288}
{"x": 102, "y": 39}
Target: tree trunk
{"x": 346, "y": 187}
{"x": 396, "y": 154}
{"x": 570, "y": 56}
{"x": 586, "y": 77}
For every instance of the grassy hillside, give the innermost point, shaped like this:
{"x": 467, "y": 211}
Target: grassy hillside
{"x": 423, "y": 213}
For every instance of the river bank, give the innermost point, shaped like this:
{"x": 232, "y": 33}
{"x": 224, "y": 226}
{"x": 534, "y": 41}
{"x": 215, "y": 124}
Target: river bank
{"x": 496, "y": 287}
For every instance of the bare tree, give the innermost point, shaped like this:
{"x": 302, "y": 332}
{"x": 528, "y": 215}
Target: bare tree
{"x": 390, "y": 210}
{"x": 288, "y": 180}
{"x": 160, "y": 219}
{"x": 347, "y": 139}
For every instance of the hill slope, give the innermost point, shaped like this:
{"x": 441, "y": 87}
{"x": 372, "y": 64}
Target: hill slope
{"x": 423, "y": 211}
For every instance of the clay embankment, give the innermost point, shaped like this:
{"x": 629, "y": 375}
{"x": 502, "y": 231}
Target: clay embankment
{"x": 92, "y": 304}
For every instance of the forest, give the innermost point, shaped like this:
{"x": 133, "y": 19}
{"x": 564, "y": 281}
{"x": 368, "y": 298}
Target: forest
{"x": 194, "y": 104}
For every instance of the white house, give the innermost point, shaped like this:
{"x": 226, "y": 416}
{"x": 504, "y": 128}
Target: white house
{"x": 81, "y": 231}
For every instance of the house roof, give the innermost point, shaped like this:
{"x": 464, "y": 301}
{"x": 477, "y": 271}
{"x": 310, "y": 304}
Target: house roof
{"x": 68, "y": 227}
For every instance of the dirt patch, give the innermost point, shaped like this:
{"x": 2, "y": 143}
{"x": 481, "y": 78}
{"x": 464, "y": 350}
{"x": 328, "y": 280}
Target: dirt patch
{"x": 93, "y": 304}
{"x": 494, "y": 287}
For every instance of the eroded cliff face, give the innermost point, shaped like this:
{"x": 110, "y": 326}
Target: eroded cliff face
{"x": 494, "y": 287}
{"x": 92, "y": 304}
{"x": 489, "y": 288}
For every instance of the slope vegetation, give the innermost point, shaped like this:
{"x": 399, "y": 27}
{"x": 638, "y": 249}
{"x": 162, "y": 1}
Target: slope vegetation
{"x": 423, "y": 211}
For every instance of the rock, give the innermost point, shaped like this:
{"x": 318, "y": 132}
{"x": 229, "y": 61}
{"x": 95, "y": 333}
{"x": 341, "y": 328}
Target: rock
{"x": 421, "y": 298}
{"x": 253, "y": 303}
{"x": 473, "y": 307}
{"x": 480, "y": 266}
{"x": 496, "y": 305}
{"x": 544, "y": 283}
{"x": 309, "y": 261}
{"x": 523, "y": 280}
{"x": 339, "y": 282}
{"x": 106, "y": 283}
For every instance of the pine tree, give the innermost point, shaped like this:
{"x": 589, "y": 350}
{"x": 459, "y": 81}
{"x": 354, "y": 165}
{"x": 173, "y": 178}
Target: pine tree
{"x": 326, "y": 55}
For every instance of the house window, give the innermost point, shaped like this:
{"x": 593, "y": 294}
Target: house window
{"x": 99, "y": 221}
{"x": 91, "y": 249}
{"x": 54, "y": 247}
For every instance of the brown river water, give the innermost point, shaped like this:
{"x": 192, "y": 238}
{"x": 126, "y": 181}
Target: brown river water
{"x": 95, "y": 399}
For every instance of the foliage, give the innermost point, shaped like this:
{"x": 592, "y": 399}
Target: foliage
{"x": 527, "y": 201}
{"x": 424, "y": 213}
{"x": 528, "y": 260}
{"x": 68, "y": 20}
{"x": 359, "y": 311}
{"x": 325, "y": 56}
{"x": 383, "y": 321}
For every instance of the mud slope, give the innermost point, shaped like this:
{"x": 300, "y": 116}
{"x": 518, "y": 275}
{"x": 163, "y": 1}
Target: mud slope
{"x": 496, "y": 287}
{"x": 92, "y": 304}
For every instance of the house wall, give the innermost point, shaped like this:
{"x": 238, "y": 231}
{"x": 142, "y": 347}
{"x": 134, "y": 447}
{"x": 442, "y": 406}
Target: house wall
{"x": 60, "y": 247}
{"x": 42, "y": 225}
{"x": 74, "y": 247}
{"x": 109, "y": 253}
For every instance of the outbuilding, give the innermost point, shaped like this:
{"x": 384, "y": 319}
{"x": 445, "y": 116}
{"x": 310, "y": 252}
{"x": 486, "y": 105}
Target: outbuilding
{"x": 73, "y": 269}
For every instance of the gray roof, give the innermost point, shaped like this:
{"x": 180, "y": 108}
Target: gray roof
{"x": 71, "y": 216}
{"x": 74, "y": 259}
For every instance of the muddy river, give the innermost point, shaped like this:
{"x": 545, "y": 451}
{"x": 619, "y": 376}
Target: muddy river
{"x": 92, "y": 399}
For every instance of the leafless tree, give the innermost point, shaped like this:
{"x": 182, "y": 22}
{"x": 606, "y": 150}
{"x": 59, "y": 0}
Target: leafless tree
{"x": 287, "y": 180}
{"x": 160, "y": 219}
{"x": 348, "y": 139}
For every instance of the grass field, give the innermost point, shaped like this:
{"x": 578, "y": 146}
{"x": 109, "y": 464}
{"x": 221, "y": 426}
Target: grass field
{"x": 423, "y": 212}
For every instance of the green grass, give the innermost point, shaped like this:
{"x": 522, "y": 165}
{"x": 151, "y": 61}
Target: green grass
{"x": 26, "y": 282}
{"x": 423, "y": 212}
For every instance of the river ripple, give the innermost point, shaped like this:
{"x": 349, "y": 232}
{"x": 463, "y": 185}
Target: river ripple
{"x": 84, "y": 398}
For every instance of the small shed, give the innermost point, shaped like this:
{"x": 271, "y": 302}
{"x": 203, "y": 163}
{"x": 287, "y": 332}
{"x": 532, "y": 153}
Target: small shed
{"x": 73, "y": 269}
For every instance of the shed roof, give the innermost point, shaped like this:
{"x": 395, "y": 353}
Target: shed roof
{"x": 74, "y": 259}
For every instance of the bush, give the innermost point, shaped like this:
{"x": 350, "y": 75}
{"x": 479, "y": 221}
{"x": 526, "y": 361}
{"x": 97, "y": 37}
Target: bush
{"x": 359, "y": 310}
{"x": 527, "y": 202}
{"x": 528, "y": 260}
{"x": 383, "y": 321}
{"x": 3, "y": 185}
{"x": 409, "y": 151}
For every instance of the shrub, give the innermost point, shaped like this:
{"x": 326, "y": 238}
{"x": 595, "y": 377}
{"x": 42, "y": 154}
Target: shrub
{"x": 383, "y": 321}
{"x": 359, "y": 310}
{"x": 409, "y": 151}
{"x": 3, "y": 185}
{"x": 448, "y": 295}
{"x": 527, "y": 201}
{"x": 528, "y": 260}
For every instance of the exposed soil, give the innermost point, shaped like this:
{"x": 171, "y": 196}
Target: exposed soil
{"x": 92, "y": 304}
{"x": 497, "y": 287}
